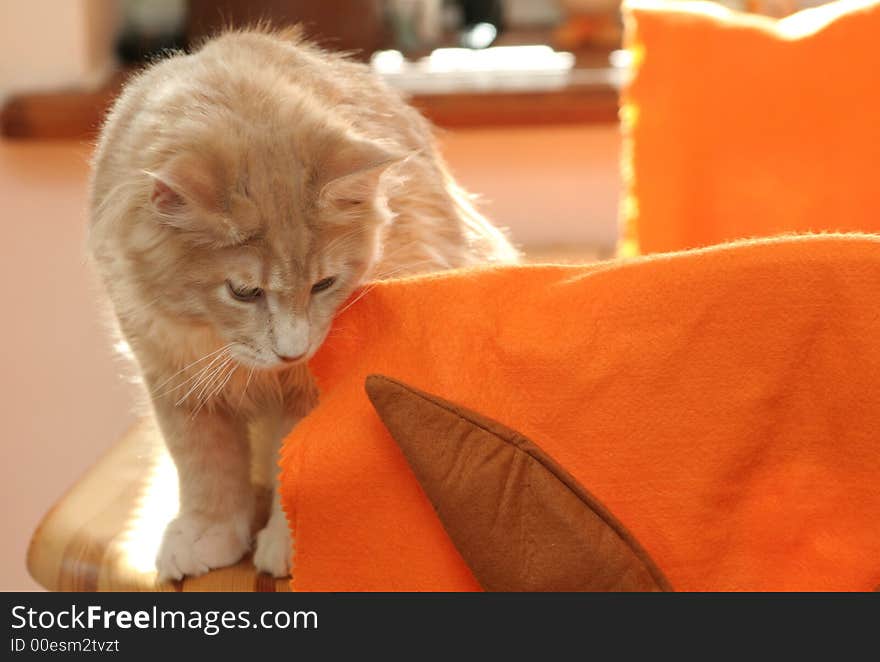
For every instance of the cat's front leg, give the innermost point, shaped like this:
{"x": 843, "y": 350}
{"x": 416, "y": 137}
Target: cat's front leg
{"x": 274, "y": 545}
{"x": 212, "y": 527}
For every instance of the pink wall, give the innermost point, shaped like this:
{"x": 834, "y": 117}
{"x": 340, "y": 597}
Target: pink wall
{"x": 62, "y": 400}
{"x": 73, "y": 48}
{"x": 553, "y": 185}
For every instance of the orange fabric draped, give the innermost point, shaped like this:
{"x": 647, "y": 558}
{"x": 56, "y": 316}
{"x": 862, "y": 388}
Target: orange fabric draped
{"x": 723, "y": 404}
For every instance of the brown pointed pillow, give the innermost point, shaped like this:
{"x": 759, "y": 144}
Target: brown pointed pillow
{"x": 519, "y": 520}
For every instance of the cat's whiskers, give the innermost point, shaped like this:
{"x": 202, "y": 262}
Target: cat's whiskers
{"x": 197, "y": 376}
{"x": 244, "y": 390}
{"x": 200, "y": 398}
{"x": 206, "y": 373}
{"x": 352, "y": 234}
{"x": 225, "y": 381}
{"x": 375, "y": 281}
{"x": 190, "y": 365}
{"x": 225, "y": 373}
{"x": 391, "y": 272}
{"x": 359, "y": 296}
{"x": 209, "y": 384}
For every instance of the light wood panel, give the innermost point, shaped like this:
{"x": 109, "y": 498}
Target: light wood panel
{"x": 104, "y": 533}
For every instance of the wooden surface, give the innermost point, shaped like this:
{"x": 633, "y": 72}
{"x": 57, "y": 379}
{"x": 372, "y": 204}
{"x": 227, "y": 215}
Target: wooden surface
{"x": 78, "y": 115}
{"x": 62, "y": 115}
{"x": 104, "y": 533}
{"x": 591, "y": 96}
{"x": 573, "y": 104}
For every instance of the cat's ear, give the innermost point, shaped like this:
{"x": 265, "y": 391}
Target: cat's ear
{"x": 188, "y": 194}
{"x": 350, "y": 171}
{"x": 183, "y": 185}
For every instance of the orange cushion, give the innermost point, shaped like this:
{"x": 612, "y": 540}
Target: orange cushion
{"x": 722, "y": 404}
{"x": 744, "y": 126}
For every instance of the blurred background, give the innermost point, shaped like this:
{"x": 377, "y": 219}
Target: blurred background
{"x": 524, "y": 94}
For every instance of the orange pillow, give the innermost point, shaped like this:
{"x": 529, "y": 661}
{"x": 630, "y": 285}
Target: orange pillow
{"x": 721, "y": 404}
{"x": 739, "y": 125}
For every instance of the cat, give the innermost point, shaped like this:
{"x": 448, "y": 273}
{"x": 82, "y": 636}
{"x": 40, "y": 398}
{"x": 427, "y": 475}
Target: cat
{"x": 239, "y": 196}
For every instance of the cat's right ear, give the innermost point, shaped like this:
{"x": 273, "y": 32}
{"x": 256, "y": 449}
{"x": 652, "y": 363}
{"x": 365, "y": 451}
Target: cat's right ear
{"x": 187, "y": 195}
{"x": 185, "y": 185}
{"x": 166, "y": 201}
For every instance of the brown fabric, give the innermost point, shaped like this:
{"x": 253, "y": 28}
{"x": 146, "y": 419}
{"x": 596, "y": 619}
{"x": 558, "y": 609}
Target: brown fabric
{"x": 519, "y": 520}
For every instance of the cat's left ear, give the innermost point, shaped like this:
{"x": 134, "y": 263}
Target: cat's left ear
{"x": 350, "y": 173}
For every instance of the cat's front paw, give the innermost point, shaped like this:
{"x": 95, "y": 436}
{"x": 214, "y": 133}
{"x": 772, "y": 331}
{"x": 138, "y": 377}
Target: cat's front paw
{"x": 274, "y": 548}
{"x": 193, "y": 545}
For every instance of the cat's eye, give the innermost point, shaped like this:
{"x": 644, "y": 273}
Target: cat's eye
{"x": 246, "y": 294}
{"x": 323, "y": 284}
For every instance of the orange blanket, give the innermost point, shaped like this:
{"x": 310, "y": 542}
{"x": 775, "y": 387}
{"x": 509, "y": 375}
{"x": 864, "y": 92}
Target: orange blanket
{"x": 723, "y": 404}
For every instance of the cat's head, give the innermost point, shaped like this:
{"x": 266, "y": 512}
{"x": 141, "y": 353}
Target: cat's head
{"x": 263, "y": 239}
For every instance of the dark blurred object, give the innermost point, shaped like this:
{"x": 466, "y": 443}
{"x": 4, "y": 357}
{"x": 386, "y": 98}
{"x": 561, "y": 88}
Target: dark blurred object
{"x": 482, "y": 11}
{"x": 418, "y": 25}
{"x": 134, "y": 48}
{"x": 483, "y": 22}
{"x": 149, "y": 28}
{"x": 347, "y": 25}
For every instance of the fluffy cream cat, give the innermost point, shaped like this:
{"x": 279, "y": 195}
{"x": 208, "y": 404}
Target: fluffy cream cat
{"x": 240, "y": 195}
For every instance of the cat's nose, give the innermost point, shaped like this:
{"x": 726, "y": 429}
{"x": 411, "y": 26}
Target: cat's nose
{"x": 290, "y": 359}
